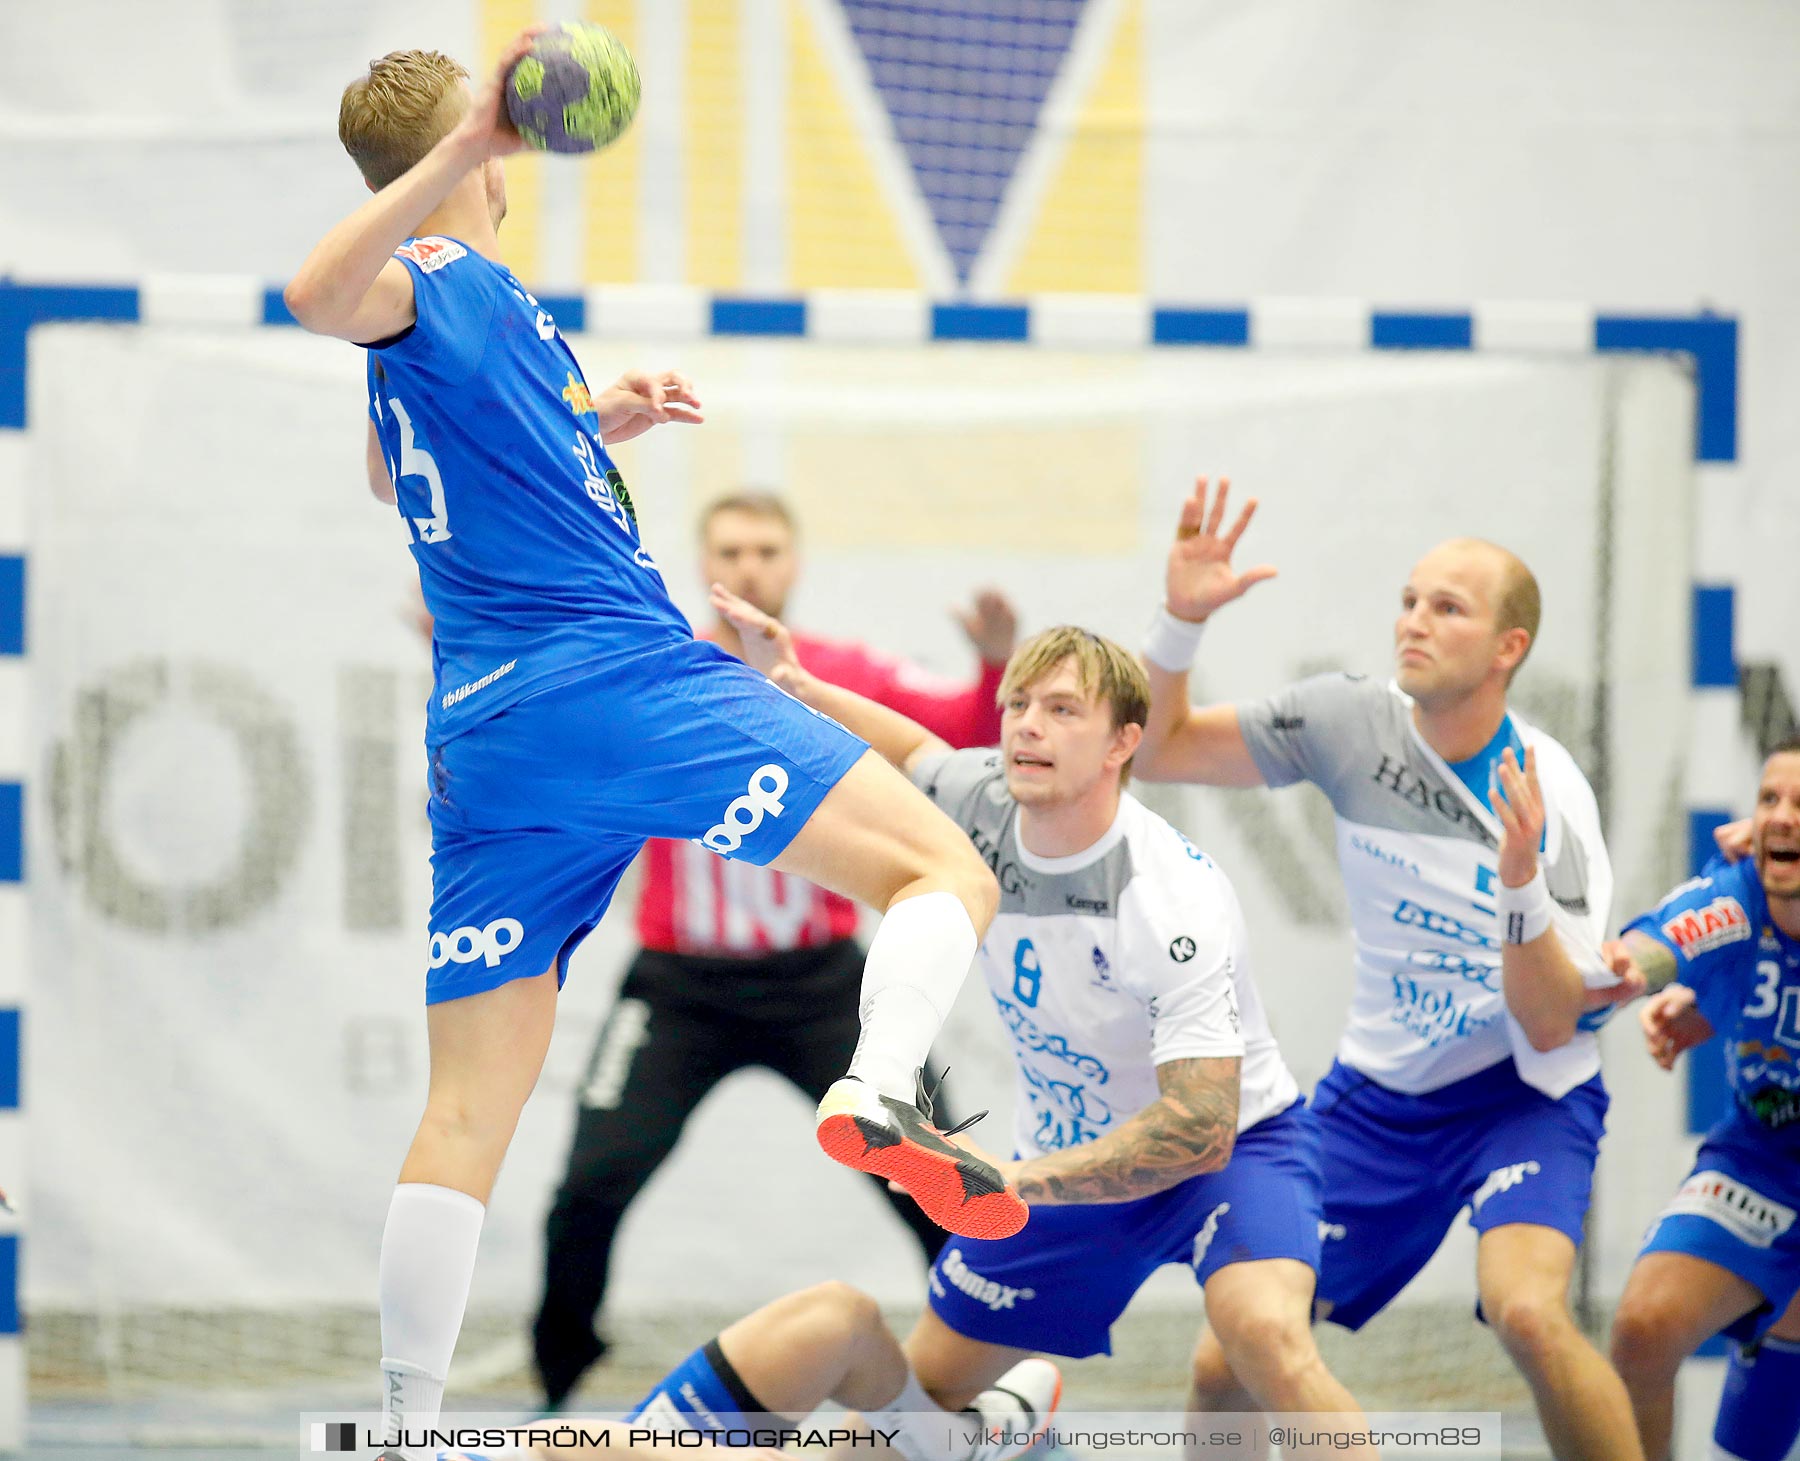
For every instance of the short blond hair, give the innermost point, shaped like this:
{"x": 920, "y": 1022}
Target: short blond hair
{"x": 403, "y": 107}
{"x": 1105, "y": 670}
{"x": 1521, "y": 605}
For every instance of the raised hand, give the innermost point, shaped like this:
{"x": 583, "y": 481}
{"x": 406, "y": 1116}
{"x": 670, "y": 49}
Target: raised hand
{"x": 1734, "y": 840}
{"x": 767, "y": 644}
{"x": 1519, "y": 805}
{"x": 1200, "y": 576}
{"x": 485, "y": 128}
{"x": 639, "y": 399}
{"x": 992, "y": 625}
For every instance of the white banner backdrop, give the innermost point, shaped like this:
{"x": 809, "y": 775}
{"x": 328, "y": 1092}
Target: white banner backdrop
{"x": 227, "y": 834}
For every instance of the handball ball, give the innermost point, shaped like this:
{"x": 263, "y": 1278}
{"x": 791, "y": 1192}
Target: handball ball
{"x": 575, "y": 90}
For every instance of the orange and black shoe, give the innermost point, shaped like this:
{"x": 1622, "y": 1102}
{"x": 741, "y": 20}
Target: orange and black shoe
{"x": 958, "y": 1191}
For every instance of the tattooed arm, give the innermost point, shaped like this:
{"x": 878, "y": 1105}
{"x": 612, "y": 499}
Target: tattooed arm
{"x": 1187, "y": 1130}
{"x": 1652, "y": 958}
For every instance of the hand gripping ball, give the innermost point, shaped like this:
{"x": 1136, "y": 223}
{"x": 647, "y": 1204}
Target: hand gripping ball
{"x": 575, "y": 90}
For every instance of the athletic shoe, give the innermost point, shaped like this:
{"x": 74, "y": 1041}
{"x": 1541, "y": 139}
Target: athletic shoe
{"x": 561, "y": 1359}
{"x": 961, "y": 1193}
{"x": 1017, "y": 1411}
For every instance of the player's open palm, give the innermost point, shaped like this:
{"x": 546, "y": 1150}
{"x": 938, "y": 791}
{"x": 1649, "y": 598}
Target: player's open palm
{"x": 767, "y": 644}
{"x": 1519, "y": 806}
{"x": 1200, "y": 575}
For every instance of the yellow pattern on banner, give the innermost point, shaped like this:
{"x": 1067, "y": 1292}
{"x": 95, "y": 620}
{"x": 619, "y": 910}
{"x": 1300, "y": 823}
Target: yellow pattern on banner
{"x": 609, "y": 179}
{"x": 1088, "y": 234}
{"x": 715, "y": 143}
{"x": 522, "y": 234}
{"x": 843, "y": 233}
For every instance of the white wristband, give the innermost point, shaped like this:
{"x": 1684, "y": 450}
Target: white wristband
{"x": 1525, "y": 911}
{"x": 1172, "y": 643}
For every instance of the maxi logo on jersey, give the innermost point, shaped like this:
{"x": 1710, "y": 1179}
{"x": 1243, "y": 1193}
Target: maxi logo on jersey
{"x": 1701, "y": 930}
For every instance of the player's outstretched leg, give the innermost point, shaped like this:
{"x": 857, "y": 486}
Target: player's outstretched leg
{"x": 1672, "y": 1303}
{"x": 829, "y": 1342}
{"x": 877, "y": 839}
{"x": 1523, "y": 1272}
{"x": 486, "y": 1052}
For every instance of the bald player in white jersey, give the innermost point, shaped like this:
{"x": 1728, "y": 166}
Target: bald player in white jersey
{"x": 1479, "y": 891}
{"x": 1157, "y": 1122}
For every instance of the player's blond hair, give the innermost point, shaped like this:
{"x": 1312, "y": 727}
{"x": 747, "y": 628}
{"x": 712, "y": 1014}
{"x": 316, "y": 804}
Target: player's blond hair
{"x": 392, "y": 116}
{"x": 1105, "y": 670}
{"x": 1517, "y": 602}
{"x": 1521, "y": 606}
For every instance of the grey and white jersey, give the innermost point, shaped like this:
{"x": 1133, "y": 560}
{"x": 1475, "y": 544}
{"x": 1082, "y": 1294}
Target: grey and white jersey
{"x": 1108, "y": 963}
{"x": 1418, "y": 854}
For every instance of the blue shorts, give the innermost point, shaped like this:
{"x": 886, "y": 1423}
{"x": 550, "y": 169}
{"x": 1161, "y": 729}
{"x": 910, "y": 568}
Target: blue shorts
{"x": 536, "y": 813}
{"x": 704, "y": 1393}
{"x": 1399, "y": 1168}
{"x": 1737, "y": 1209}
{"x": 1058, "y": 1284}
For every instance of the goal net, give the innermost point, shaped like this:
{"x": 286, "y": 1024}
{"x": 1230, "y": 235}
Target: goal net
{"x": 229, "y": 848}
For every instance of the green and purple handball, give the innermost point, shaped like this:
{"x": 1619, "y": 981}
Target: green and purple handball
{"x": 575, "y": 90}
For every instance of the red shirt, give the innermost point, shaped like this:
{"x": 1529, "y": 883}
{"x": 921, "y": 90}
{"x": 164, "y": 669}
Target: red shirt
{"x": 693, "y": 902}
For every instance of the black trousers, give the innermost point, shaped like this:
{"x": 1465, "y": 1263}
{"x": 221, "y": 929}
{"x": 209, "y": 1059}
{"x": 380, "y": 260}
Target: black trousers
{"x": 681, "y": 1024}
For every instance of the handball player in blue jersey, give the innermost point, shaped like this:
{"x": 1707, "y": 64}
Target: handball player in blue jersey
{"x": 1724, "y": 1255}
{"x": 574, "y": 714}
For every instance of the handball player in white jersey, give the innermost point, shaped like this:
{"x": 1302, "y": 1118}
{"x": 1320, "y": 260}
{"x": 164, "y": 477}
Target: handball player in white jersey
{"x": 1157, "y": 1122}
{"x": 1479, "y": 889}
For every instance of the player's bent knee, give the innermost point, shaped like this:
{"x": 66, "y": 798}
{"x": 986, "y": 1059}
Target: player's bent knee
{"x": 1646, "y": 1336}
{"x": 1268, "y": 1343}
{"x": 843, "y": 1308}
{"x": 1532, "y": 1326}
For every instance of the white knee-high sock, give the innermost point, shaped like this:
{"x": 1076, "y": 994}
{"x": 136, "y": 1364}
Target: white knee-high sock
{"x": 427, "y": 1263}
{"x": 917, "y": 961}
{"x": 918, "y": 1423}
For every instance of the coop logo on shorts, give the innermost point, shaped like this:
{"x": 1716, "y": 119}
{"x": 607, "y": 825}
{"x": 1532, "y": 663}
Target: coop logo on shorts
{"x": 995, "y": 1295}
{"x": 467, "y": 944}
{"x": 1740, "y": 1210}
{"x": 1701, "y": 930}
{"x": 745, "y": 814}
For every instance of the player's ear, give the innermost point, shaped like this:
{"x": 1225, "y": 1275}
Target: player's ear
{"x": 1126, "y": 740}
{"x": 1514, "y": 644}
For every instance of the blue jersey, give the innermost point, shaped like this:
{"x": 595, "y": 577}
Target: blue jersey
{"x": 527, "y": 546}
{"x": 1746, "y": 975}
